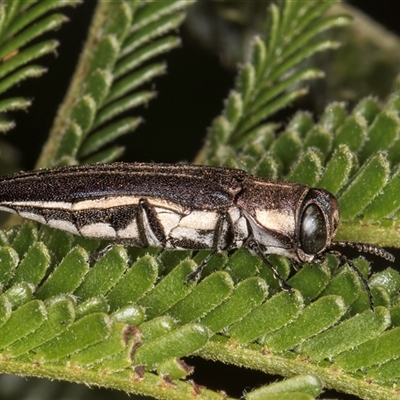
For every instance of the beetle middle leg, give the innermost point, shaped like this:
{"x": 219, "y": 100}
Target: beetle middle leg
{"x": 149, "y": 225}
{"x": 222, "y": 239}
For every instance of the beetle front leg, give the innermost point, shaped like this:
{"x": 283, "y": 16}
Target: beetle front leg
{"x": 254, "y": 246}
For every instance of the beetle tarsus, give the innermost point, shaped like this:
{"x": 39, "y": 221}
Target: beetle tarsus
{"x": 284, "y": 286}
{"x": 254, "y": 246}
{"x": 196, "y": 274}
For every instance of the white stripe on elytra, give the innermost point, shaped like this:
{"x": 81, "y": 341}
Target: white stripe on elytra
{"x": 33, "y": 216}
{"x": 39, "y": 204}
{"x": 98, "y": 230}
{"x": 96, "y": 204}
{"x": 168, "y": 219}
{"x": 200, "y": 220}
{"x": 130, "y": 232}
{"x": 8, "y": 209}
{"x": 63, "y": 225}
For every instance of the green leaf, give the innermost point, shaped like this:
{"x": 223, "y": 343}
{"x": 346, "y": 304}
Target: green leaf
{"x": 132, "y": 315}
{"x": 106, "y": 156}
{"x": 382, "y": 133}
{"x": 24, "y": 238}
{"x": 174, "y": 368}
{"x": 103, "y": 350}
{"x": 270, "y": 316}
{"x": 247, "y": 295}
{"x": 84, "y": 112}
{"x": 93, "y": 305}
{"x": 85, "y": 332}
{"x": 169, "y": 291}
{"x": 314, "y": 319}
{"x": 22, "y": 322}
{"x": 138, "y": 280}
{"x": 33, "y": 266}
{"x": 9, "y": 261}
{"x": 308, "y": 168}
{"x": 311, "y": 280}
{"x": 13, "y": 104}
{"x": 374, "y": 351}
{"x": 368, "y": 109}
{"x": 67, "y": 276}
{"x": 156, "y": 328}
{"x": 109, "y": 134}
{"x": 182, "y": 341}
{"x": 347, "y": 334}
{"x": 34, "y": 12}
{"x": 19, "y": 294}
{"x": 5, "y": 310}
{"x": 133, "y": 81}
{"x": 338, "y": 169}
{"x": 123, "y": 105}
{"x": 287, "y": 147}
{"x": 145, "y": 53}
{"x": 387, "y": 201}
{"x": 365, "y": 185}
{"x": 60, "y": 315}
{"x": 346, "y": 284}
{"x": 352, "y": 133}
{"x": 48, "y": 24}
{"x": 33, "y": 71}
{"x": 69, "y": 143}
{"x": 104, "y": 274}
{"x": 333, "y": 117}
{"x": 307, "y": 384}
{"x": 28, "y": 55}
{"x": 268, "y": 82}
{"x": 207, "y": 295}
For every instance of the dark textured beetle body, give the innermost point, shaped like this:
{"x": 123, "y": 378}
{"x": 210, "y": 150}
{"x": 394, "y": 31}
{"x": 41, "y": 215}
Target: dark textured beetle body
{"x": 176, "y": 206}
{"x": 180, "y": 207}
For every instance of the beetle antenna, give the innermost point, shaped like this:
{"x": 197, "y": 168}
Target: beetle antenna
{"x": 366, "y": 248}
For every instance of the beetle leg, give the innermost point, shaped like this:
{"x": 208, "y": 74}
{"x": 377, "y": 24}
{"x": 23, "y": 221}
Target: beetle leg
{"x": 148, "y": 223}
{"x": 344, "y": 260}
{"x": 253, "y": 245}
{"x": 220, "y": 239}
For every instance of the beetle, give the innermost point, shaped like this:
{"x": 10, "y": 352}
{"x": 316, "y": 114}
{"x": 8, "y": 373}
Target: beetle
{"x": 177, "y": 206}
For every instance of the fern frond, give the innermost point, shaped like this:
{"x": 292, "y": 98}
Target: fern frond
{"x": 116, "y": 61}
{"x": 21, "y": 23}
{"x": 355, "y": 159}
{"x": 272, "y": 79}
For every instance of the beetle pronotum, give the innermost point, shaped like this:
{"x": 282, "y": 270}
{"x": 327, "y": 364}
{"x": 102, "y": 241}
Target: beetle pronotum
{"x": 183, "y": 207}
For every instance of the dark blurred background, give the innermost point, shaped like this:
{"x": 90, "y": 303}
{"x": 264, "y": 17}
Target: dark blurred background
{"x": 189, "y": 97}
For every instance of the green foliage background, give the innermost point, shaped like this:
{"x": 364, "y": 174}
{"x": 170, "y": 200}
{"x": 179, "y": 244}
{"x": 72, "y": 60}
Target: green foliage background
{"x": 125, "y": 320}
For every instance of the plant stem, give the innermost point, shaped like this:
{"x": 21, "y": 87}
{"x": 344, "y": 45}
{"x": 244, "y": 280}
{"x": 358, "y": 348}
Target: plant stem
{"x": 332, "y": 378}
{"x": 48, "y": 154}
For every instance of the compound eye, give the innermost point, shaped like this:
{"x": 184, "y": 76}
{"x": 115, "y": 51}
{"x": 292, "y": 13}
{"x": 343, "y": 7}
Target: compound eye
{"x": 313, "y": 234}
